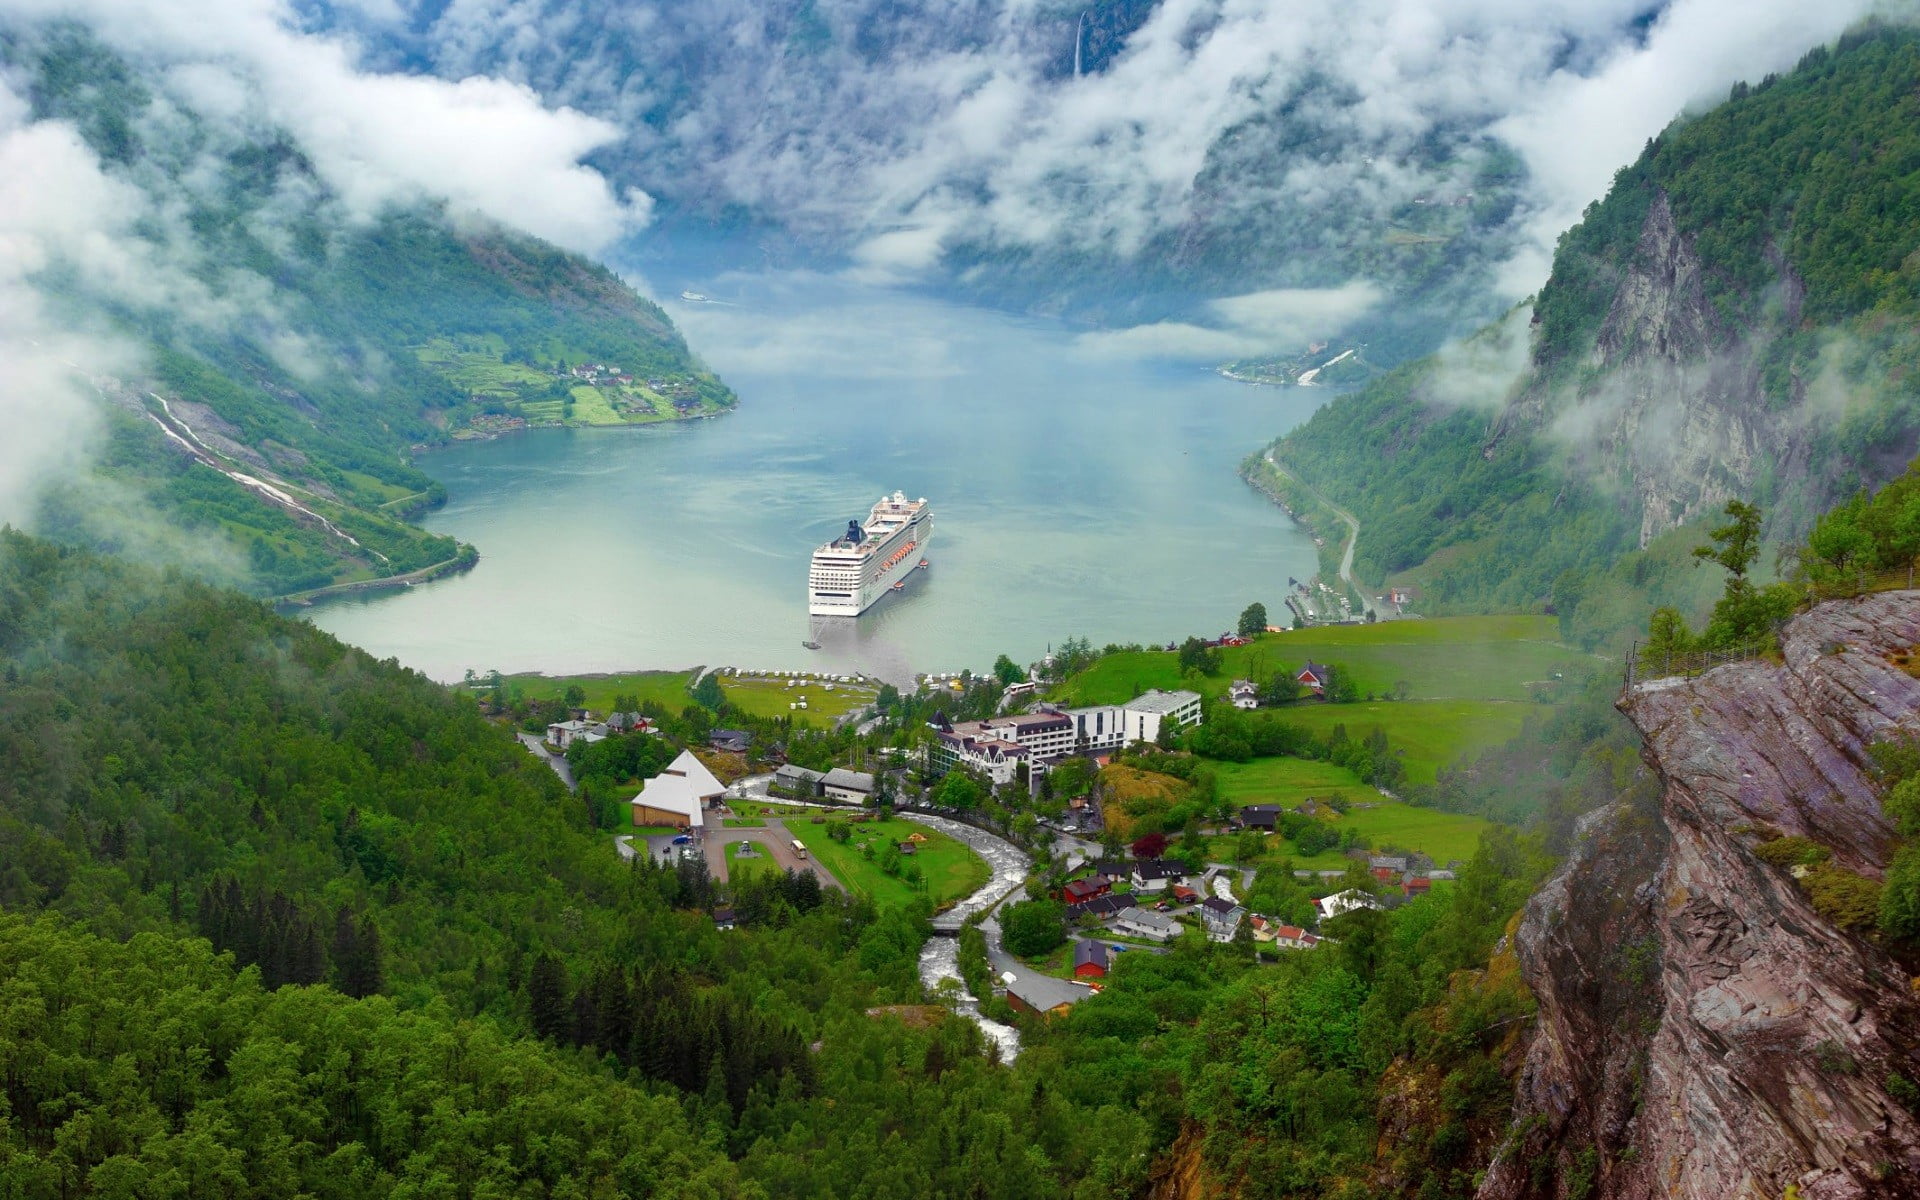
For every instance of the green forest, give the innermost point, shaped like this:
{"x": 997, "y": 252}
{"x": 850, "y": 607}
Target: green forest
{"x": 322, "y": 386}
{"x": 289, "y": 919}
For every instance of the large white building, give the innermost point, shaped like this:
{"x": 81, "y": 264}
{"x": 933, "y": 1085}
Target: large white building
{"x": 678, "y": 795}
{"x": 996, "y": 746}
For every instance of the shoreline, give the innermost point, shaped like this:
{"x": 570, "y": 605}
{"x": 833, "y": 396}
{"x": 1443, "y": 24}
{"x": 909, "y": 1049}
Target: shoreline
{"x": 466, "y": 560}
{"x": 495, "y": 435}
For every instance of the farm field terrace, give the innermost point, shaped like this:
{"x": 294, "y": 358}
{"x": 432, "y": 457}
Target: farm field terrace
{"x": 1425, "y": 734}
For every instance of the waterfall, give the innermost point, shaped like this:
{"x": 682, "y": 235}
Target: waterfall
{"x": 1079, "y": 39}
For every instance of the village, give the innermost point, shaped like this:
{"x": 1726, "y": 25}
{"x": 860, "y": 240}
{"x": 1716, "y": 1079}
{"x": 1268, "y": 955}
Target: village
{"x": 734, "y": 808}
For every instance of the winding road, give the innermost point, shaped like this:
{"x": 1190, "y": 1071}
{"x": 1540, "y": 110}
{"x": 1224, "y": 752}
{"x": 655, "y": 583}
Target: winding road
{"x": 1353, "y": 525}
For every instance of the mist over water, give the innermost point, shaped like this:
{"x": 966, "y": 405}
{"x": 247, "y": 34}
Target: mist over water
{"x": 1075, "y": 493}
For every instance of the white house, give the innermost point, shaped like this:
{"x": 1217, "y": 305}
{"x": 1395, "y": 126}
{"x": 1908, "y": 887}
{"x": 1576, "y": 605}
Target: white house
{"x": 1138, "y": 922}
{"x": 1345, "y": 902}
{"x": 1158, "y": 874}
{"x": 1243, "y": 693}
{"x": 678, "y": 795}
{"x": 562, "y": 734}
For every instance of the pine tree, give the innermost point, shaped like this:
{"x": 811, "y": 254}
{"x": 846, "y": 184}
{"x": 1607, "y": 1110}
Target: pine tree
{"x": 547, "y": 1007}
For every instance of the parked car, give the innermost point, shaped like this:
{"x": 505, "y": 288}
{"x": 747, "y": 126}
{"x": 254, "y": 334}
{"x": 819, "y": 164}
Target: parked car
{"x": 682, "y": 839}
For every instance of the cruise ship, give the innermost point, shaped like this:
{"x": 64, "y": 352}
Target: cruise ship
{"x": 857, "y": 568}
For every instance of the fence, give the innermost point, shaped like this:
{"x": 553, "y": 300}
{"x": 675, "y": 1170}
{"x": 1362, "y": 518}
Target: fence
{"x": 1642, "y": 664}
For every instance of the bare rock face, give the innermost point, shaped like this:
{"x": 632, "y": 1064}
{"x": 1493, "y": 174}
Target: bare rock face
{"x": 1703, "y": 1031}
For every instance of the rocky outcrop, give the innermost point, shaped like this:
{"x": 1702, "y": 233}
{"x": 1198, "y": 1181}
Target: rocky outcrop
{"x": 1703, "y": 1031}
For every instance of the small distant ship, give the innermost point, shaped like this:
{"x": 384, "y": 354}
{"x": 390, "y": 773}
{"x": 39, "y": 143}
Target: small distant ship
{"x": 696, "y": 297}
{"x": 811, "y": 645}
{"x": 872, "y": 558}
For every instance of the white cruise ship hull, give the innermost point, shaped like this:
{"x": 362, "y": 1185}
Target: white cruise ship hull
{"x": 845, "y": 581}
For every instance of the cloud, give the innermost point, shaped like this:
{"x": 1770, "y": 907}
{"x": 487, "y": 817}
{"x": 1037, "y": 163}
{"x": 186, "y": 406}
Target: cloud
{"x": 900, "y": 131}
{"x": 484, "y": 145}
{"x": 56, "y": 207}
{"x": 1256, "y": 323}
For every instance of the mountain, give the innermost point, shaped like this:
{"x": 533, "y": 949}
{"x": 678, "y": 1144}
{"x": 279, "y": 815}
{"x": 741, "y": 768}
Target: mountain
{"x": 1716, "y": 1015}
{"x": 273, "y": 360}
{"x": 1734, "y": 320}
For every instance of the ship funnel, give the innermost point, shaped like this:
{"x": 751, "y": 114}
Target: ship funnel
{"x": 854, "y": 533}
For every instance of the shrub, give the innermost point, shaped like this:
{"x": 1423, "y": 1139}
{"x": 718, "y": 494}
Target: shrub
{"x": 1847, "y": 900}
{"x": 1792, "y": 852}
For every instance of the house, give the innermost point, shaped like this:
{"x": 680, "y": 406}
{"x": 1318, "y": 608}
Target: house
{"x": 723, "y": 918}
{"x": 1437, "y": 875}
{"x": 1260, "y": 816}
{"x": 1090, "y": 960}
{"x": 1385, "y": 874}
{"x": 1184, "y": 894}
{"x": 855, "y": 787}
{"x": 798, "y": 782}
{"x": 1418, "y": 885}
{"x": 1043, "y": 995}
{"x": 1158, "y": 874}
{"x": 679, "y": 795}
{"x": 1243, "y": 693}
{"x": 1345, "y": 902}
{"x": 562, "y": 734}
{"x": 1221, "y": 918}
{"x": 1290, "y": 937}
{"x": 1100, "y": 907}
{"x": 1315, "y": 677}
{"x": 730, "y": 741}
{"x": 1079, "y": 891}
{"x": 1397, "y": 863}
{"x": 1153, "y": 926}
{"x": 906, "y": 848}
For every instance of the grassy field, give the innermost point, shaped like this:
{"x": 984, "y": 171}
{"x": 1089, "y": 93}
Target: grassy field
{"x": 741, "y": 868}
{"x": 743, "y": 823}
{"x": 1287, "y": 781}
{"x": 949, "y": 867}
{"x": 667, "y": 688}
{"x": 1427, "y": 734}
{"x": 590, "y": 407}
{"x": 769, "y": 697}
{"x": 1476, "y": 658}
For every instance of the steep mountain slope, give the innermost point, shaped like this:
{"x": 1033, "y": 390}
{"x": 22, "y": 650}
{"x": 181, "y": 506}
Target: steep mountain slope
{"x": 1713, "y": 1020}
{"x": 1733, "y": 320}
{"x": 271, "y": 358}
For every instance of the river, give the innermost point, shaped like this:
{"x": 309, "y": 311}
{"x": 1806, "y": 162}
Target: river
{"x": 1078, "y": 491}
{"x": 940, "y": 957}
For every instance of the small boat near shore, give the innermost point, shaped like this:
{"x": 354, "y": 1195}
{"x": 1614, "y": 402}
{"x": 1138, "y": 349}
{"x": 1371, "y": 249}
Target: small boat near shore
{"x": 811, "y": 645}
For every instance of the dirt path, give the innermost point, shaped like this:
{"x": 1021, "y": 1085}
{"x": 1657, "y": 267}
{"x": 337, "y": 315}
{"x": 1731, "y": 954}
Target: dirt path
{"x": 775, "y": 840}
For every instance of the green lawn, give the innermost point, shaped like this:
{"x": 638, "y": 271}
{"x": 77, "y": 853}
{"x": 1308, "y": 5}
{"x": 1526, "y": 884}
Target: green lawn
{"x": 1483, "y": 658}
{"x": 740, "y": 868}
{"x": 1288, "y": 781}
{"x": 949, "y": 867}
{"x": 653, "y": 830}
{"x": 1430, "y": 733}
{"x": 667, "y": 688}
{"x": 743, "y": 823}
{"x": 764, "y": 697}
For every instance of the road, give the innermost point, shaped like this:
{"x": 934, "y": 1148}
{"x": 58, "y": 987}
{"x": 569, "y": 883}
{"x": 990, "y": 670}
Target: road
{"x": 557, "y": 761}
{"x": 1353, "y": 525}
{"x": 775, "y": 839}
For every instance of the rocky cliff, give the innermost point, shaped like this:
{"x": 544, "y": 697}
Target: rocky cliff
{"x": 1704, "y": 1030}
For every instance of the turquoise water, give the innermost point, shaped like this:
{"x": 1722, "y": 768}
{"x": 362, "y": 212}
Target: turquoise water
{"x": 1075, "y": 493}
